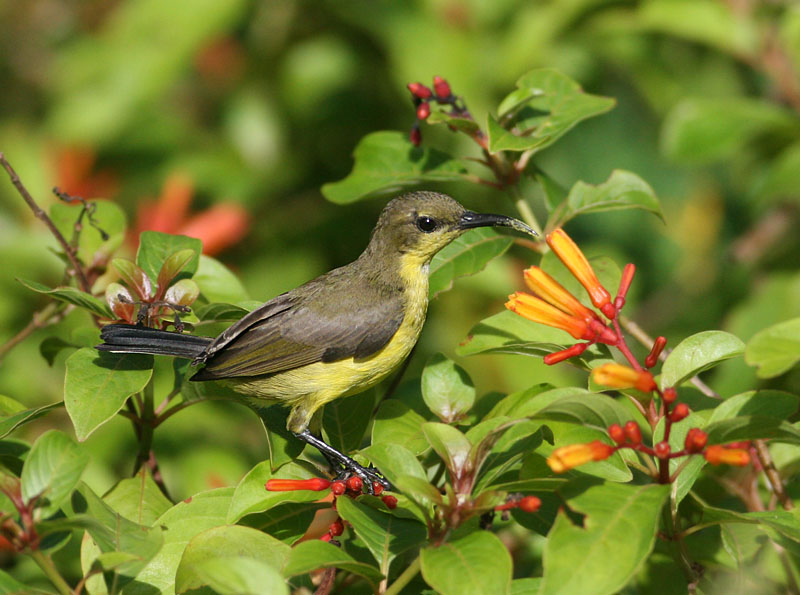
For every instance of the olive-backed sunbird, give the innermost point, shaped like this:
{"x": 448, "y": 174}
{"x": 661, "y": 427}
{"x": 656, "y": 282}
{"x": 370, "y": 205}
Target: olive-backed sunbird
{"x": 338, "y": 334}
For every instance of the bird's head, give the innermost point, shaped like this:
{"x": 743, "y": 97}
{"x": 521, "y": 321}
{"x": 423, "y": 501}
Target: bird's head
{"x": 419, "y": 224}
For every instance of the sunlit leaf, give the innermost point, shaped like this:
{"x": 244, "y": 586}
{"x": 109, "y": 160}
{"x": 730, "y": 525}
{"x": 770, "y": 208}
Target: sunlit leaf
{"x": 697, "y": 353}
{"x": 73, "y": 296}
{"x": 466, "y": 255}
{"x": 774, "y": 350}
{"x": 478, "y": 563}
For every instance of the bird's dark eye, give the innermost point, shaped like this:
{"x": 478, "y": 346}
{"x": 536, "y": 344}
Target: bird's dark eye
{"x": 426, "y": 224}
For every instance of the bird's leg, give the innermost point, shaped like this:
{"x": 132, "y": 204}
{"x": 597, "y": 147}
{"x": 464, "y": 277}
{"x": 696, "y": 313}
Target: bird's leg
{"x": 338, "y": 460}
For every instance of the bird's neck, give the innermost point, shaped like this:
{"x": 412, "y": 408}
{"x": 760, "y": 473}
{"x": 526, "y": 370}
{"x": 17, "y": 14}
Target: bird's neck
{"x": 406, "y": 273}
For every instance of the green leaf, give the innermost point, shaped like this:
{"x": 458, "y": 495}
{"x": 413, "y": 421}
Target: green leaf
{"x": 466, "y": 255}
{"x": 219, "y": 312}
{"x": 73, "y": 296}
{"x": 751, "y": 427}
{"x": 385, "y": 535}
{"x": 677, "y": 438}
{"x": 11, "y": 586}
{"x": 50, "y": 347}
{"x": 446, "y": 388}
{"x": 217, "y": 283}
{"x": 173, "y": 265}
{"x": 251, "y": 496}
{"x": 135, "y": 278}
{"x": 52, "y": 470}
{"x": 311, "y": 555}
{"x": 283, "y": 446}
{"x": 230, "y": 575}
{"x": 226, "y": 543}
{"x": 701, "y": 130}
{"x": 478, "y": 563}
{"x": 345, "y": 420}
{"x": 386, "y": 162}
{"x": 287, "y": 522}
{"x": 451, "y": 445}
{"x": 617, "y": 535}
{"x": 138, "y": 499}
{"x": 622, "y": 190}
{"x": 774, "y": 350}
{"x": 590, "y": 410}
{"x": 97, "y": 384}
{"x": 179, "y": 525}
{"x": 771, "y": 403}
{"x": 698, "y": 353}
{"x": 394, "y": 460}
{"x": 545, "y": 107}
{"x": 11, "y": 422}
{"x": 396, "y": 423}
{"x": 155, "y": 248}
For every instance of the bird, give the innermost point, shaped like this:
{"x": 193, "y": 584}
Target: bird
{"x": 334, "y": 336}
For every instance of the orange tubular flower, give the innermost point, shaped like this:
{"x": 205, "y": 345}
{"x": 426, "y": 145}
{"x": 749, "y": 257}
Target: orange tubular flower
{"x": 719, "y": 455}
{"x": 619, "y": 376}
{"x": 551, "y": 291}
{"x": 538, "y": 310}
{"x": 568, "y": 457}
{"x": 572, "y": 257}
{"x": 316, "y": 484}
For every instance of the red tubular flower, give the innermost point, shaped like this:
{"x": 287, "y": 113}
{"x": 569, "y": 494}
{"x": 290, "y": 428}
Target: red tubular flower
{"x": 560, "y": 356}
{"x": 551, "y": 291}
{"x": 618, "y": 376}
{"x": 538, "y": 310}
{"x": 719, "y": 455}
{"x": 572, "y": 257}
{"x": 658, "y": 346}
{"x": 633, "y": 432}
{"x": 617, "y": 433}
{"x": 568, "y": 457}
{"x": 315, "y": 484}
{"x": 695, "y": 440}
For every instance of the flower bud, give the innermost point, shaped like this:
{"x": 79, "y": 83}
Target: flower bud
{"x": 669, "y": 395}
{"x": 695, "y": 440}
{"x": 616, "y": 375}
{"x": 415, "y": 136}
{"x": 633, "y": 432}
{"x": 377, "y": 488}
{"x": 662, "y": 449}
{"x": 424, "y": 110}
{"x": 338, "y": 488}
{"x": 530, "y": 504}
{"x": 719, "y": 455}
{"x": 560, "y": 356}
{"x": 680, "y": 412}
{"x": 658, "y": 346}
{"x": 617, "y": 433}
{"x": 390, "y": 501}
{"x": 355, "y": 483}
{"x": 419, "y": 90}
{"x": 441, "y": 87}
{"x": 336, "y": 528}
{"x": 568, "y": 457}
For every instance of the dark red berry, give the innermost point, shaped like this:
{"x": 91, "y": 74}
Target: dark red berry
{"x": 662, "y": 449}
{"x": 390, "y": 501}
{"x": 680, "y": 412}
{"x": 336, "y": 528}
{"x": 617, "y": 433}
{"x": 633, "y": 432}
{"x": 441, "y": 87}
{"x": 696, "y": 440}
{"x": 670, "y": 394}
{"x": 338, "y": 488}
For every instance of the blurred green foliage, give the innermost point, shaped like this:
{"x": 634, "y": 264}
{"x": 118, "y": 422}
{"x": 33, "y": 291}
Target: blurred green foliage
{"x": 260, "y": 103}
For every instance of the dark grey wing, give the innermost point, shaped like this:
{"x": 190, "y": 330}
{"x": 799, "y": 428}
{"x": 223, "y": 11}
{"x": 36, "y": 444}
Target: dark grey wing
{"x": 325, "y": 320}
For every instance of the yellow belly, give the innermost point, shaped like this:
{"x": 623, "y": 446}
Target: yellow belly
{"x": 308, "y": 388}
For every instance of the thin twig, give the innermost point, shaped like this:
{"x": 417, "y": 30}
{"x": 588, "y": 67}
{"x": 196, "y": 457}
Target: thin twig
{"x": 40, "y": 214}
{"x": 48, "y": 315}
{"x": 772, "y": 474}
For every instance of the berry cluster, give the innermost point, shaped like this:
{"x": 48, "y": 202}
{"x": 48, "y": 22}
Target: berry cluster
{"x": 422, "y": 97}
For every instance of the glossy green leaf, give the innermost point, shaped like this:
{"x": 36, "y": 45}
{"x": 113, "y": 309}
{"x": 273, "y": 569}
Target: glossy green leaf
{"x": 547, "y": 105}
{"x": 396, "y": 423}
{"x": 52, "y": 470}
{"x": 344, "y": 421}
{"x": 235, "y": 575}
{"x": 622, "y": 190}
{"x": 138, "y": 499}
{"x": 9, "y": 423}
{"x": 286, "y": 522}
{"x": 751, "y": 427}
{"x": 386, "y": 162}
{"x": 451, "y": 445}
{"x": 251, "y": 496}
{"x": 314, "y": 554}
{"x": 155, "y": 248}
{"x": 617, "y": 535}
{"x": 774, "y": 350}
{"x": 385, "y": 535}
{"x": 394, "y": 460}
{"x": 446, "y": 388}
{"x": 97, "y": 384}
{"x": 219, "y": 312}
{"x": 179, "y": 525}
{"x": 442, "y": 115}
{"x": 218, "y": 283}
{"x": 71, "y": 295}
{"x": 283, "y": 446}
{"x": 702, "y": 130}
{"x": 590, "y": 410}
{"x": 698, "y": 353}
{"x": 226, "y": 543}
{"x": 771, "y": 403}
{"x": 466, "y": 255}
{"x": 11, "y": 586}
{"x": 478, "y": 563}
{"x": 784, "y": 522}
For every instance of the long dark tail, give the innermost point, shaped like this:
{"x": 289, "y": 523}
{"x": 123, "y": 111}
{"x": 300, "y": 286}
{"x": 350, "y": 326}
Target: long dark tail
{"x": 128, "y": 338}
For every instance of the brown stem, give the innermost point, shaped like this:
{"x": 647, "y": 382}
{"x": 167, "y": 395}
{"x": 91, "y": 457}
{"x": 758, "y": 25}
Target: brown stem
{"x": 328, "y": 578}
{"x": 772, "y": 474}
{"x": 40, "y": 214}
{"x": 48, "y": 315}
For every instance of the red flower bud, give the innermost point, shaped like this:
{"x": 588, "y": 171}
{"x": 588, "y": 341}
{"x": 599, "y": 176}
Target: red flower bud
{"x": 695, "y": 440}
{"x": 680, "y": 412}
{"x": 662, "y": 449}
{"x": 415, "y": 136}
{"x": 617, "y": 433}
{"x": 633, "y": 432}
{"x": 326, "y": 537}
{"x": 419, "y": 90}
{"x": 669, "y": 395}
{"x": 355, "y": 483}
{"x": 338, "y": 488}
{"x": 441, "y": 87}
{"x": 377, "y": 488}
{"x": 390, "y": 501}
{"x": 530, "y": 504}
{"x": 336, "y": 528}
{"x": 560, "y": 356}
{"x": 315, "y": 484}
{"x": 658, "y": 346}
{"x": 424, "y": 110}
{"x": 719, "y": 455}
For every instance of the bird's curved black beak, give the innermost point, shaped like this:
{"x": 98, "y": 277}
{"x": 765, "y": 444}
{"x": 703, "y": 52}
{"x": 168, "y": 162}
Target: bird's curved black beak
{"x": 469, "y": 220}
